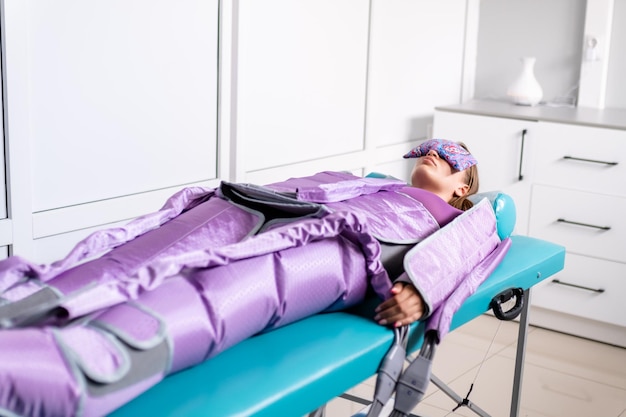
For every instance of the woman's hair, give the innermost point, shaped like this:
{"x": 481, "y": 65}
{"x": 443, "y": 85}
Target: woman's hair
{"x": 471, "y": 179}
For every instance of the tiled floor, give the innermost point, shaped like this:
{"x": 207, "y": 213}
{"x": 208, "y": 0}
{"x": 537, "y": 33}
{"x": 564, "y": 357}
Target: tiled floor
{"x": 564, "y": 376}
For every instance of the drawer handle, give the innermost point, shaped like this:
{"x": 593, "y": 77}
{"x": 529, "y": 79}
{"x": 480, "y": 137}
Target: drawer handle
{"x": 595, "y": 161}
{"x": 567, "y": 284}
{"x": 584, "y": 224}
{"x": 520, "y": 176}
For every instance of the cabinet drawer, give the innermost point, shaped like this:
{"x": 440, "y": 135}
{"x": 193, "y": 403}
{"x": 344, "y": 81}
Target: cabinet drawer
{"x": 576, "y": 220}
{"x": 600, "y": 298}
{"x": 584, "y": 158}
{"x": 52, "y": 248}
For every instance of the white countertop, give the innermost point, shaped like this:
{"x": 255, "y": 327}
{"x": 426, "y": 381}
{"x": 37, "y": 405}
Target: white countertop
{"x": 587, "y": 116}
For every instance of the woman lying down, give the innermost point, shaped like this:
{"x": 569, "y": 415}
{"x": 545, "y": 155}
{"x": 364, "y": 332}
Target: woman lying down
{"x": 128, "y": 306}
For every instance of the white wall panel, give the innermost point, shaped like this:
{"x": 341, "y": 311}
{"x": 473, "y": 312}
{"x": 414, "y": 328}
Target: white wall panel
{"x": 53, "y": 222}
{"x": 53, "y": 248}
{"x": 3, "y": 193}
{"x": 416, "y": 63}
{"x": 3, "y": 188}
{"x": 302, "y": 68}
{"x": 6, "y": 232}
{"x": 122, "y": 97}
{"x": 615, "y": 85}
{"x": 555, "y": 40}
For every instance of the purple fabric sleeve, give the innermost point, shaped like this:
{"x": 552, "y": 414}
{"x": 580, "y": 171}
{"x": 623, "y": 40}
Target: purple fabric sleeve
{"x": 98, "y": 355}
{"x": 102, "y": 241}
{"x": 151, "y": 275}
{"x": 443, "y": 212}
{"x": 328, "y": 187}
{"x": 33, "y": 362}
{"x": 440, "y": 263}
{"x": 15, "y": 269}
{"x": 442, "y": 316}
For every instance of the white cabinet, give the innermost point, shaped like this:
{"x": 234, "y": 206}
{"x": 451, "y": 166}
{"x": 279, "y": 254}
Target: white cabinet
{"x": 582, "y": 158}
{"x": 586, "y": 223}
{"x": 5, "y": 233}
{"x": 122, "y": 98}
{"x": 587, "y": 288}
{"x": 579, "y": 201}
{"x": 6, "y": 226}
{"x": 108, "y": 104}
{"x": 574, "y": 171}
{"x": 502, "y": 148}
{"x": 301, "y": 80}
{"x": 3, "y": 191}
{"x": 410, "y": 69}
{"x": 340, "y": 84}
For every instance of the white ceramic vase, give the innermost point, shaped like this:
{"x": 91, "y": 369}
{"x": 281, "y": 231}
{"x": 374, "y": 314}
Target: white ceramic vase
{"x": 526, "y": 90}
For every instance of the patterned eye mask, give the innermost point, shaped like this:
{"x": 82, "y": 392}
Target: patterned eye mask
{"x": 452, "y": 152}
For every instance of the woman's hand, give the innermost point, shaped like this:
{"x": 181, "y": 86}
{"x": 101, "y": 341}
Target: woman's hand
{"x": 403, "y": 307}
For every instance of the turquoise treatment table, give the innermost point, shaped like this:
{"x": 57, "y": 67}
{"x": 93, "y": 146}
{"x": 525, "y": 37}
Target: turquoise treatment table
{"x": 296, "y": 369}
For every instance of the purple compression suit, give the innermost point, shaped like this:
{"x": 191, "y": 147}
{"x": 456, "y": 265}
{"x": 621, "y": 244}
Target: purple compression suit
{"x": 128, "y": 306}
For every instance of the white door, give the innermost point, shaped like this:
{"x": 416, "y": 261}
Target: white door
{"x": 122, "y": 97}
{"x": 416, "y": 64}
{"x": 301, "y": 80}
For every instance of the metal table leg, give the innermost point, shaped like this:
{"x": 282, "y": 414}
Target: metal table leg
{"x": 520, "y": 356}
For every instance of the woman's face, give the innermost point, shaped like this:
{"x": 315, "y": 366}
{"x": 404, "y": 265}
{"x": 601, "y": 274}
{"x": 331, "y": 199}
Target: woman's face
{"x": 434, "y": 174}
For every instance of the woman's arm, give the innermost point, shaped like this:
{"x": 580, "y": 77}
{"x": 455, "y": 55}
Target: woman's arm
{"x": 403, "y": 307}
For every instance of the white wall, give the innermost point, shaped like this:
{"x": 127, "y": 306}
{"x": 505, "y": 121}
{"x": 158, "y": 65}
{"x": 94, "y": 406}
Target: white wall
{"x": 554, "y": 32}
{"x": 616, "y": 85}
{"x": 551, "y": 31}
